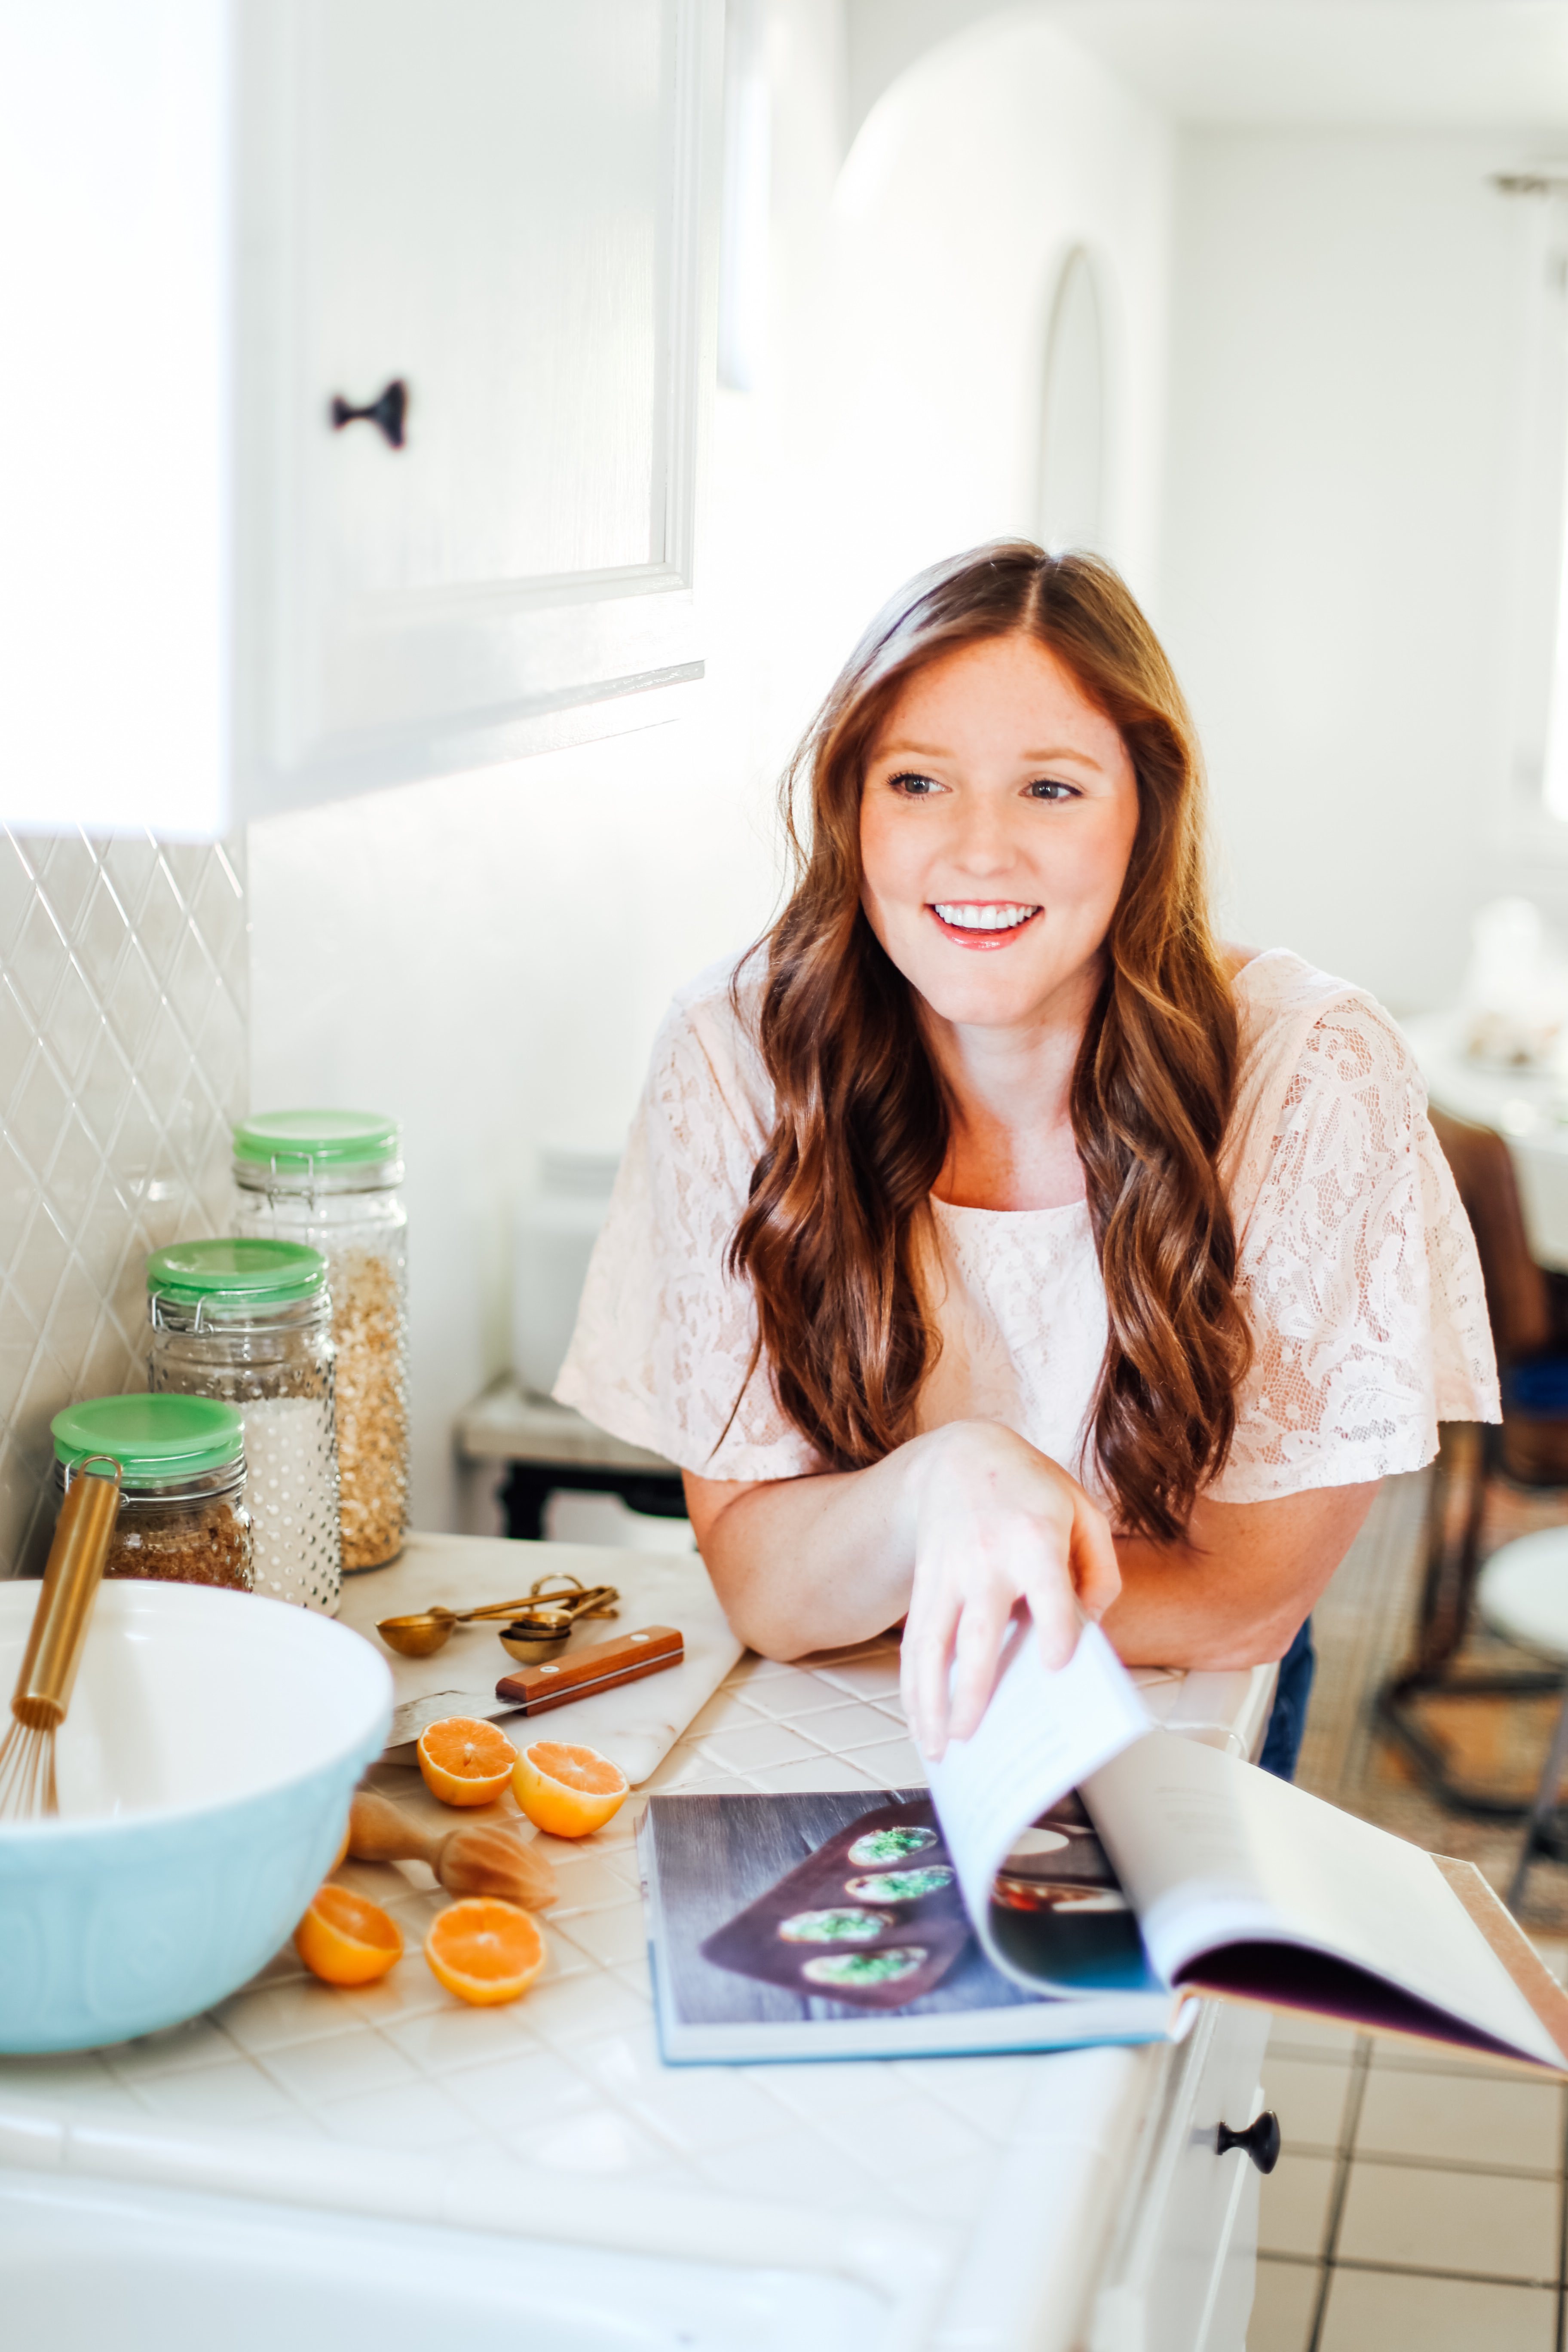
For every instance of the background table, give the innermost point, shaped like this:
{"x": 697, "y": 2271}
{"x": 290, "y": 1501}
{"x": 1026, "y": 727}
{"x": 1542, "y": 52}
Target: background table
{"x": 548, "y": 1448}
{"x": 1527, "y": 1106}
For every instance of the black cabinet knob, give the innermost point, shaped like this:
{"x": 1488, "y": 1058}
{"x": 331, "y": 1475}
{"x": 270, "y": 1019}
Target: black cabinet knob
{"x": 388, "y": 412}
{"x": 1260, "y": 2140}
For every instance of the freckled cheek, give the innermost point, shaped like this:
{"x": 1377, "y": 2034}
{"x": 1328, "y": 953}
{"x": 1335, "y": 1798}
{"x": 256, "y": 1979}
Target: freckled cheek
{"x": 893, "y": 869}
{"x": 1089, "y": 873}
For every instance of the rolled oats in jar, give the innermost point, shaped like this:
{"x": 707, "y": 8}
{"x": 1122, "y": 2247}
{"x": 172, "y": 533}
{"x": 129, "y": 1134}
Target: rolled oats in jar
{"x": 330, "y": 1180}
{"x": 183, "y": 1518}
{"x": 250, "y": 1321}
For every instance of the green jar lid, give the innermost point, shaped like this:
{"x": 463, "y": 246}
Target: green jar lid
{"x": 235, "y": 1274}
{"x": 152, "y": 1437}
{"x": 298, "y": 1140}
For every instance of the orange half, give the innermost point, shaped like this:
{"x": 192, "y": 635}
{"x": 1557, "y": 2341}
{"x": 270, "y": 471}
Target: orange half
{"x": 345, "y": 1940}
{"x": 465, "y": 1761}
{"x": 567, "y": 1791}
{"x": 484, "y": 1950}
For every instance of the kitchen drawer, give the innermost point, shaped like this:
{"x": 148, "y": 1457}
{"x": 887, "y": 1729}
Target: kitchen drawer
{"x": 1179, "y": 2278}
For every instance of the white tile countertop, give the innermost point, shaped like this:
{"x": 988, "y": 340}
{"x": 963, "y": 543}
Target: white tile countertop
{"x": 973, "y": 2198}
{"x": 633, "y": 1726}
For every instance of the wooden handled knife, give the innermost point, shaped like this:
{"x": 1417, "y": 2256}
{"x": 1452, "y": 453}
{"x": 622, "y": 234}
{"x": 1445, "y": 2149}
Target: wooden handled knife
{"x": 603, "y": 1665}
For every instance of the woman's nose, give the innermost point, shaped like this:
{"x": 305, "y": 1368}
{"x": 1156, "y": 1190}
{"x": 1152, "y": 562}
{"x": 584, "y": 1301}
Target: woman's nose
{"x": 984, "y": 843}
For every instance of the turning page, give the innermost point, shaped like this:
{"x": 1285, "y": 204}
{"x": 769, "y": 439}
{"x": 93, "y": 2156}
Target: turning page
{"x": 1225, "y": 1865}
{"x": 1041, "y": 1737}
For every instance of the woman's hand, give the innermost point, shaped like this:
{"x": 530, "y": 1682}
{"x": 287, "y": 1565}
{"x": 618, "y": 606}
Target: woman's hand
{"x": 996, "y": 1525}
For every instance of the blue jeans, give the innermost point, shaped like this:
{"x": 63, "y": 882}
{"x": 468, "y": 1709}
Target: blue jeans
{"x": 1283, "y": 1741}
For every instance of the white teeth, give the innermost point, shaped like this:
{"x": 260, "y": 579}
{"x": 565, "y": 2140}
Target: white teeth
{"x": 970, "y": 917}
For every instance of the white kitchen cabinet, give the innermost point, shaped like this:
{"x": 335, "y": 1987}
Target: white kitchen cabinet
{"x": 216, "y": 605}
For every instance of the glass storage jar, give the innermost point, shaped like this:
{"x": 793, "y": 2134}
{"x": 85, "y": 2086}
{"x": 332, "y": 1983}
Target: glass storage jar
{"x": 182, "y": 1496}
{"x": 250, "y": 1321}
{"x": 331, "y": 1179}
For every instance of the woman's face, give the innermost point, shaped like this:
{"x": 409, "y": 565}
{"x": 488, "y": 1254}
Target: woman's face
{"x": 998, "y": 818}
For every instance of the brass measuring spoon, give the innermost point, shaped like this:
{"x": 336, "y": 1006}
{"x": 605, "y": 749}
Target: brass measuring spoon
{"x": 426, "y": 1631}
{"x": 544, "y": 1630}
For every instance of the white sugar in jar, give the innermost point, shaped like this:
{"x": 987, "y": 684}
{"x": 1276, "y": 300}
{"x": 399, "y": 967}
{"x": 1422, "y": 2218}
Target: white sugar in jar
{"x": 294, "y": 1500}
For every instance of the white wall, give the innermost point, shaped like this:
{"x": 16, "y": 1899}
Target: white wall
{"x": 1351, "y": 341}
{"x": 971, "y": 181}
{"x": 488, "y": 957}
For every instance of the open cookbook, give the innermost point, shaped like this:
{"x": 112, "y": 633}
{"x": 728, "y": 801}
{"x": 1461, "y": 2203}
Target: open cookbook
{"x": 1073, "y": 1874}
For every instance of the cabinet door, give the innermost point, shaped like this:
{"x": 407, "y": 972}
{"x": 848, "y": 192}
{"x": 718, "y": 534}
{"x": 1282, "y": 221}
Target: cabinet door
{"x": 1180, "y": 2277}
{"x": 506, "y": 207}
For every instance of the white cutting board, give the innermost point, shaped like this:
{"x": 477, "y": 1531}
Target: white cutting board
{"x": 634, "y": 1725}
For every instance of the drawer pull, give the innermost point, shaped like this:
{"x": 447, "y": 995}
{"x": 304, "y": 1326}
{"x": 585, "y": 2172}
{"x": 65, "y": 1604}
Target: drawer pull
{"x": 388, "y": 413}
{"x": 1260, "y": 2140}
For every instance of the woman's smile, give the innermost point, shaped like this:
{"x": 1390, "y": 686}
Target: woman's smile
{"x": 982, "y": 922}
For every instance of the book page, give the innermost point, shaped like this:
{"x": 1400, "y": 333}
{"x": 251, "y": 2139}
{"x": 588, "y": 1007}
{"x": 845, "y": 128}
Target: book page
{"x": 1213, "y": 1851}
{"x": 1040, "y": 1736}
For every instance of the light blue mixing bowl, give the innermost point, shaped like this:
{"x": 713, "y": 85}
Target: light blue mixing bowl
{"x": 206, "y": 1766}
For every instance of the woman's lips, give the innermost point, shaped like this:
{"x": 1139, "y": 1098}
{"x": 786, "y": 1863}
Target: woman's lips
{"x": 982, "y": 923}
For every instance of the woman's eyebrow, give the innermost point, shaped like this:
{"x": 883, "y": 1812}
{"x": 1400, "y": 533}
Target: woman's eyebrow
{"x": 1061, "y": 751}
{"x": 1025, "y": 758}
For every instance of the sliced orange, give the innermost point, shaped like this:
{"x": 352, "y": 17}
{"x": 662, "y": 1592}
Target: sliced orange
{"x": 465, "y": 1761}
{"x": 484, "y": 1950}
{"x": 567, "y": 1791}
{"x": 345, "y": 1940}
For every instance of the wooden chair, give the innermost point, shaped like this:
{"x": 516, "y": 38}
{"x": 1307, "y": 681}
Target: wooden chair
{"x": 1530, "y": 1331}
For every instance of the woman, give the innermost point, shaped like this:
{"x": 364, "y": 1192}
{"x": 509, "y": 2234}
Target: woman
{"x": 993, "y": 1237}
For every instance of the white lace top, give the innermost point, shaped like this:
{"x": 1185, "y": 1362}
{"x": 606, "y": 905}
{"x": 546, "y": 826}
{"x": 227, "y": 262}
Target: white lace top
{"x": 1357, "y": 1266}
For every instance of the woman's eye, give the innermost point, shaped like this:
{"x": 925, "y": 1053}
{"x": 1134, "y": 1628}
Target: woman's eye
{"x": 914, "y": 787}
{"x": 1046, "y": 789}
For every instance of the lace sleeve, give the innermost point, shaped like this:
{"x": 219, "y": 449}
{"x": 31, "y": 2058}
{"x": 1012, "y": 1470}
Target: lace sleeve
{"x": 1359, "y": 1272}
{"x": 664, "y": 1334}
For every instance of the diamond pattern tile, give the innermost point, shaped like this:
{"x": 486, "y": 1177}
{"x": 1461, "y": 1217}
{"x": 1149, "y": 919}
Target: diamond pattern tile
{"x": 124, "y": 1059}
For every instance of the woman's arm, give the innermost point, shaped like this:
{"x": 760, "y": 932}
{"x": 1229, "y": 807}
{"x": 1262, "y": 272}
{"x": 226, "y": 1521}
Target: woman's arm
{"x": 1235, "y": 1591}
{"x": 958, "y": 1527}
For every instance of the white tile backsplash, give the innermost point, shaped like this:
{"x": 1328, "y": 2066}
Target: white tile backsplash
{"x": 123, "y": 1060}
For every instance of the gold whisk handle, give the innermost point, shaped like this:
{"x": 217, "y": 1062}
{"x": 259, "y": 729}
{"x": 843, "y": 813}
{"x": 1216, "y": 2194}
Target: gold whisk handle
{"x": 76, "y": 1556}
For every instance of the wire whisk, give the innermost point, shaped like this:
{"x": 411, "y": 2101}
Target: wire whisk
{"x": 82, "y": 1536}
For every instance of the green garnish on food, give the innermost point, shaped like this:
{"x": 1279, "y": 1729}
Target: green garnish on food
{"x": 878, "y": 1848}
{"x": 861, "y": 1968}
{"x": 834, "y": 1926}
{"x": 902, "y": 1885}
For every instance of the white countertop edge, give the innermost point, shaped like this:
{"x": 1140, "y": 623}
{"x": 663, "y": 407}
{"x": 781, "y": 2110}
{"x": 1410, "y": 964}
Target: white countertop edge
{"x": 896, "y": 2261}
{"x": 1033, "y": 2258}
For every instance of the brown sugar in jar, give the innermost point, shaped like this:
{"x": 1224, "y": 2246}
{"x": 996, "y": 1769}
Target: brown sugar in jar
{"x": 183, "y": 1518}
{"x": 193, "y": 1541}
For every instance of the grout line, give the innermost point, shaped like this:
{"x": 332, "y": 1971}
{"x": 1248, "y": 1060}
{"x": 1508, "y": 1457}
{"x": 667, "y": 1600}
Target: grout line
{"x": 1443, "y": 2164}
{"x": 1360, "y": 2263}
{"x": 1360, "y": 2066}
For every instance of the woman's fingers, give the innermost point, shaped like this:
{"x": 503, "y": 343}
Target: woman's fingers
{"x": 982, "y": 1631}
{"x": 927, "y": 1662}
{"x": 1054, "y": 1606}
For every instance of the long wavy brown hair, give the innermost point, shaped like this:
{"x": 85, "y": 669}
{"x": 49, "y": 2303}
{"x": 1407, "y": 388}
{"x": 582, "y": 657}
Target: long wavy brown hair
{"x": 839, "y": 1219}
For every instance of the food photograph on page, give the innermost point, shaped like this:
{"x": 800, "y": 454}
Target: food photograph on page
{"x": 1058, "y": 1912}
{"x": 816, "y": 1925}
